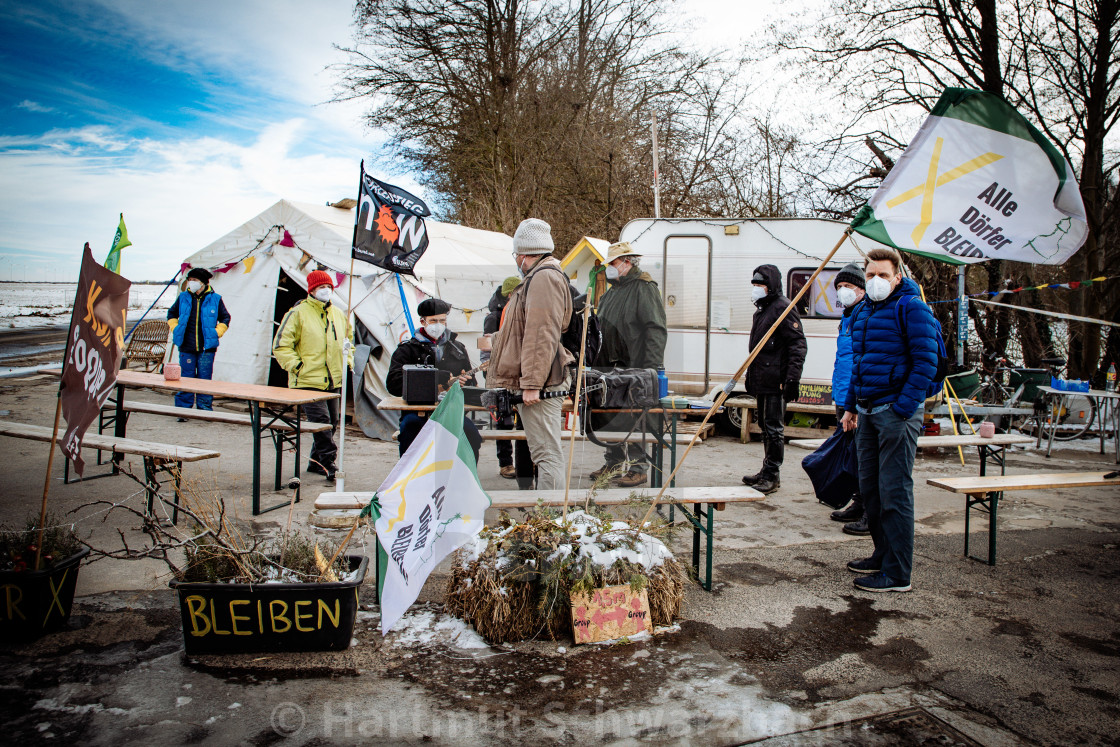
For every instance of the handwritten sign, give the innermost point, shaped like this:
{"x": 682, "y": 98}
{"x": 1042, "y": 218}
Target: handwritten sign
{"x": 608, "y": 613}
{"x": 815, "y": 394}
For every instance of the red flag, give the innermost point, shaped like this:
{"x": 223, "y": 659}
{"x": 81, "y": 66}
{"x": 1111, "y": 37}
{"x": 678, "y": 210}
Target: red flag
{"x": 94, "y": 349}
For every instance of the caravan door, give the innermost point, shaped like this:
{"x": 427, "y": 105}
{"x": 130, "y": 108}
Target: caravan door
{"x": 686, "y": 282}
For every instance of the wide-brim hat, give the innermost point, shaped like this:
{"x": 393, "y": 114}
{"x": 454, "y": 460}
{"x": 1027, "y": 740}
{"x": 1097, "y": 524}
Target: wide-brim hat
{"x": 621, "y": 249}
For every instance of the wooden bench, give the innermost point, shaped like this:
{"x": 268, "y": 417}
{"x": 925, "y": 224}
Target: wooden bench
{"x": 697, "y": 504}
{"x": 211, "y": 416}
{"x": 747, "y": 404}
{"x": 989, "y": 448}
{"x": 611, "y": 436}
{"x": 157, "y": 457}
{"x": 984, "y": 493}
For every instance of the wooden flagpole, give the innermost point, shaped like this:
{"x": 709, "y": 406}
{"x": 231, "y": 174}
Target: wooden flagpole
{"x": 47, "y": 482}
{"x": 576, "y": 400}
{"x": 742, "y": 369}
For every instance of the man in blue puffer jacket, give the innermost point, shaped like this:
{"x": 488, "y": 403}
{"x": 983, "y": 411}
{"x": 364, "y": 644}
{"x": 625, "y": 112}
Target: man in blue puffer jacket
{"x": 849, "y": 284}
{"x": 894, "y": 360}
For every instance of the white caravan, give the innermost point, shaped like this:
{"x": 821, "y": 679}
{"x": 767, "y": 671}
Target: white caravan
{"x": 703, "y": 268}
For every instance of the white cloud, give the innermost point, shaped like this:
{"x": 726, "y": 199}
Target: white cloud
{"x": 34, "y": 106}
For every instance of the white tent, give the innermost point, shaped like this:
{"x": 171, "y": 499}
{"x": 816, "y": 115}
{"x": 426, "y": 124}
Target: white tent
{"x": 462, "y": 266}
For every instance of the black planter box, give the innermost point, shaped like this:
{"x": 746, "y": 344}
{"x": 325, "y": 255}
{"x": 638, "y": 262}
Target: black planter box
{"x": 36, "y": 602}
{"x": 245, "y": 618}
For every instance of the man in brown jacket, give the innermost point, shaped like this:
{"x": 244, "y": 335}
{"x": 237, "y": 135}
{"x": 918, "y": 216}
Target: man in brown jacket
{"x": 527, "y": 354}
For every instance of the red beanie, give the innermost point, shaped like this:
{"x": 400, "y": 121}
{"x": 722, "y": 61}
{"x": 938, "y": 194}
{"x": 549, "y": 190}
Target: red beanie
{"x": 315, "y": 278}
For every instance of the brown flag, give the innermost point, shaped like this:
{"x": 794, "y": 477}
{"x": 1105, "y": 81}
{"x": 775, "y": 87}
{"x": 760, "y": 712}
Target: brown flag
{"x": 94, "y": 349}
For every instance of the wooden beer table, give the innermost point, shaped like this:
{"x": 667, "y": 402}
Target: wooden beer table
{"x": 269, "y": 406}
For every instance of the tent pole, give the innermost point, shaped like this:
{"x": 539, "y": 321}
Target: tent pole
{"x": 726, "y": 392}
{"x": 340, "y": 465}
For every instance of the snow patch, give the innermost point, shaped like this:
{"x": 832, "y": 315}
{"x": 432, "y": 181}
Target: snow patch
{"x": 426, "y": 628}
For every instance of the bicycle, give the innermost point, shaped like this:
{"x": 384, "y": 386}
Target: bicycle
{"x": 1076, "y": 417}
{"x": 1074, "y": 420}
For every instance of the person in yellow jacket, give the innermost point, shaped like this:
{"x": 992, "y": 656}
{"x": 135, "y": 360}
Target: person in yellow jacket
{"x": 309, "y": 346}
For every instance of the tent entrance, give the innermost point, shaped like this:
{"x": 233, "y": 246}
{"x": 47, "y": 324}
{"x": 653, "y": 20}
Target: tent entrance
{"x": 288, "y": 294}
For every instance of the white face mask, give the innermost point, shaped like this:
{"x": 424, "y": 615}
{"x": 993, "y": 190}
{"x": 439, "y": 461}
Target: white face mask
{"x": 846, "y": 296}
{"x": 878, "y": 288}
{"x": 758, "y": 292}
{"x": 435, "y": 330}
{"x": 322, "y": 293}
{"x": 612, "y": 272}
{"x": 194, "y": 286}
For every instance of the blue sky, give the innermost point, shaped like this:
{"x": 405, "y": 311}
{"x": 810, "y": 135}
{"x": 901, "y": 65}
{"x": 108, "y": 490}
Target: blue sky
{"x": 190, "y": 118}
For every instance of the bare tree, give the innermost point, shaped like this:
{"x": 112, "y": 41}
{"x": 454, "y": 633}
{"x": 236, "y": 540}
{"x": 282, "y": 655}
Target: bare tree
{"x": 512, "y": 108}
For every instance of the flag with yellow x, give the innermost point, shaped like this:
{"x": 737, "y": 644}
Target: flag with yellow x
{"x": 978, "y": 182}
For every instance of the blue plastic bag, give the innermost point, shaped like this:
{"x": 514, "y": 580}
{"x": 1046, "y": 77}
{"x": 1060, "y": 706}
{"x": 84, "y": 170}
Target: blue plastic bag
{"x": 834, "y": 469}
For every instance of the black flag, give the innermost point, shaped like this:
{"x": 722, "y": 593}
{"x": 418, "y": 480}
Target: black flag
{"x": 389, "y": 227}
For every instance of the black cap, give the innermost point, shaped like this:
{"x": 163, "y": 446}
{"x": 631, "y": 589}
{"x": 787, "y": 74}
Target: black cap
{"x": 200, "y": 273}
{"x": 851, "y": 273}
{"x": 759, "y": 279}
{"x": 432, "y": 306}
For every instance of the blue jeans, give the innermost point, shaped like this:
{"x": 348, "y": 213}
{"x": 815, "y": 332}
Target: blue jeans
{"x": 196, "y": 366}
{"x": 886, "y": 445}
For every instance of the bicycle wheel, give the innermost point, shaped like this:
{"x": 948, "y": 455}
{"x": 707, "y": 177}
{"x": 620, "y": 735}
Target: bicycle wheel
{"x": 1075, "y": 422}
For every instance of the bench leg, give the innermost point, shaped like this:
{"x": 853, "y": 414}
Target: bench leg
{"x": 711, "y": 509}
{"x": 988, "y": 502}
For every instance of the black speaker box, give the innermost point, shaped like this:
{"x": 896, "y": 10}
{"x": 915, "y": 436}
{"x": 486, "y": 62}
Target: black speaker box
{"x": 421, "y": 384}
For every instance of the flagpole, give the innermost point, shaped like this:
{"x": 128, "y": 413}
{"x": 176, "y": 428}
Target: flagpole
{"x": 576, "y": 400}
{"x": 340, "y": 465}
{"x": 47, "y": 482}
{"x": 726, "y": 392}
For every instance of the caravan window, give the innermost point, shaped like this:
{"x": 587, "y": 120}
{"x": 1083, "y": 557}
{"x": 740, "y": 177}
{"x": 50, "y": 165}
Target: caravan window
{"x": 820, "y": 300}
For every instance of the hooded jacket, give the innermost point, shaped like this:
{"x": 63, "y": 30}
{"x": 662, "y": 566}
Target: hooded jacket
{"x": 842, "y": 369}
{"x": 891, "y": 362}
{"x": 527, "y": 351}
{"x": 633, "y": 323}
{"x": 198, "y": 321}
{"x": 783, "y": 356}
{"x": 421, "y": 351}
{"x": 308, "y": 345}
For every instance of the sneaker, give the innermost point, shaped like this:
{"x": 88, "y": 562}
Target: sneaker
{"x": 631, "y": 479}
{"x": 858, "y": 528}
{"x": 866, "y": 565}
{"x": 753, "y": 480}
{"x": 880, "y": 582}
{"x": 851, "y": 513}
{"x": 767, "y": 485}
{"x": 316, "y": 468}
{"x": 509, "y": 472}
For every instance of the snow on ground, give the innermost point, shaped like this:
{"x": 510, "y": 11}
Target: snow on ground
{"x": 427, "y": 628}
{"x": 31, "y": 305}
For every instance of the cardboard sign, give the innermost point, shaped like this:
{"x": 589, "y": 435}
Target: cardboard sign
{"x": 608, "y": 613}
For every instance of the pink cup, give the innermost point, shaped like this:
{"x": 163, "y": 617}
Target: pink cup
{"x": 987, "y": 429}
{"x": 172, "y": 371}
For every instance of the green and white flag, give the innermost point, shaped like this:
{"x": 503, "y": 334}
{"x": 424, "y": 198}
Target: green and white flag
{"x": 978, "y": 182}
{"x": 120, "y": 241}
{"x": 430, "y": 505}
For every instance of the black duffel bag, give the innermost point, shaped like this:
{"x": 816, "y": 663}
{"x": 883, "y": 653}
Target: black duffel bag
{"x": 635, "y": 388}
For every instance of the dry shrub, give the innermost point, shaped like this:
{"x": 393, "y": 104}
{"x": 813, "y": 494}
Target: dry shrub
{"x": 519, "y": 586}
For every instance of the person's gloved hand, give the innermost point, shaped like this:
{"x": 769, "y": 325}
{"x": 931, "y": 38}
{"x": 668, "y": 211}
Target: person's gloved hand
{"x": 791, "y": 390}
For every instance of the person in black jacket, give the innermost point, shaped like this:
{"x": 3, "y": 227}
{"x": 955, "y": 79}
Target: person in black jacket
{"x": 774, "y": 376}
{"x": 490, "y": 327}
{"x": 432, "y": 345}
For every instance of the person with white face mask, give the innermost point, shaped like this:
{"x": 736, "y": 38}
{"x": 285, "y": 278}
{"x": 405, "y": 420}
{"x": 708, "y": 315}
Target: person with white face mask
{"x": 432, "y": 345}
{"x": 849, "y": 292}
{"x": 895, "y": 355}
{"x": 309, "y": 346}
{"x": 774, "y": 377}
{"x": 632, "y": 317}
{"x": 197, "y": 320}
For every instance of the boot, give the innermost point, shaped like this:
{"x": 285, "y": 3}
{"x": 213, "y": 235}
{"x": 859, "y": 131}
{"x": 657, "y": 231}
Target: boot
{"x": 752, "y": 480}
{"x": 602, "y": 471}
{"x": 631, "y": 479}
{"x": 509, "y": 472}
{"x": 851, "y": 513}
{"x": 858, "y": 528}
{"x": 767, "y": 485}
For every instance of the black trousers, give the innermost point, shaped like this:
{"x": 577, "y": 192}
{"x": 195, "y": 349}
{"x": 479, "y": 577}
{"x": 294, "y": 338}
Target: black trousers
{"x": 323, "y": 448}
{"x": 772, "y": 420}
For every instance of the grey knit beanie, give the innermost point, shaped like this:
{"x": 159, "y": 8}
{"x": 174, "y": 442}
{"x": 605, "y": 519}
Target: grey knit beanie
{"x": 533, "y": 236}
{"x": 851, "y": 273}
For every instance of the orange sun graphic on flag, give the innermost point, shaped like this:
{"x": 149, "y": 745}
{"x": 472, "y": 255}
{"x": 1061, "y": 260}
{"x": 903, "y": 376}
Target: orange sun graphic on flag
{"x": 386, "y": 227}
